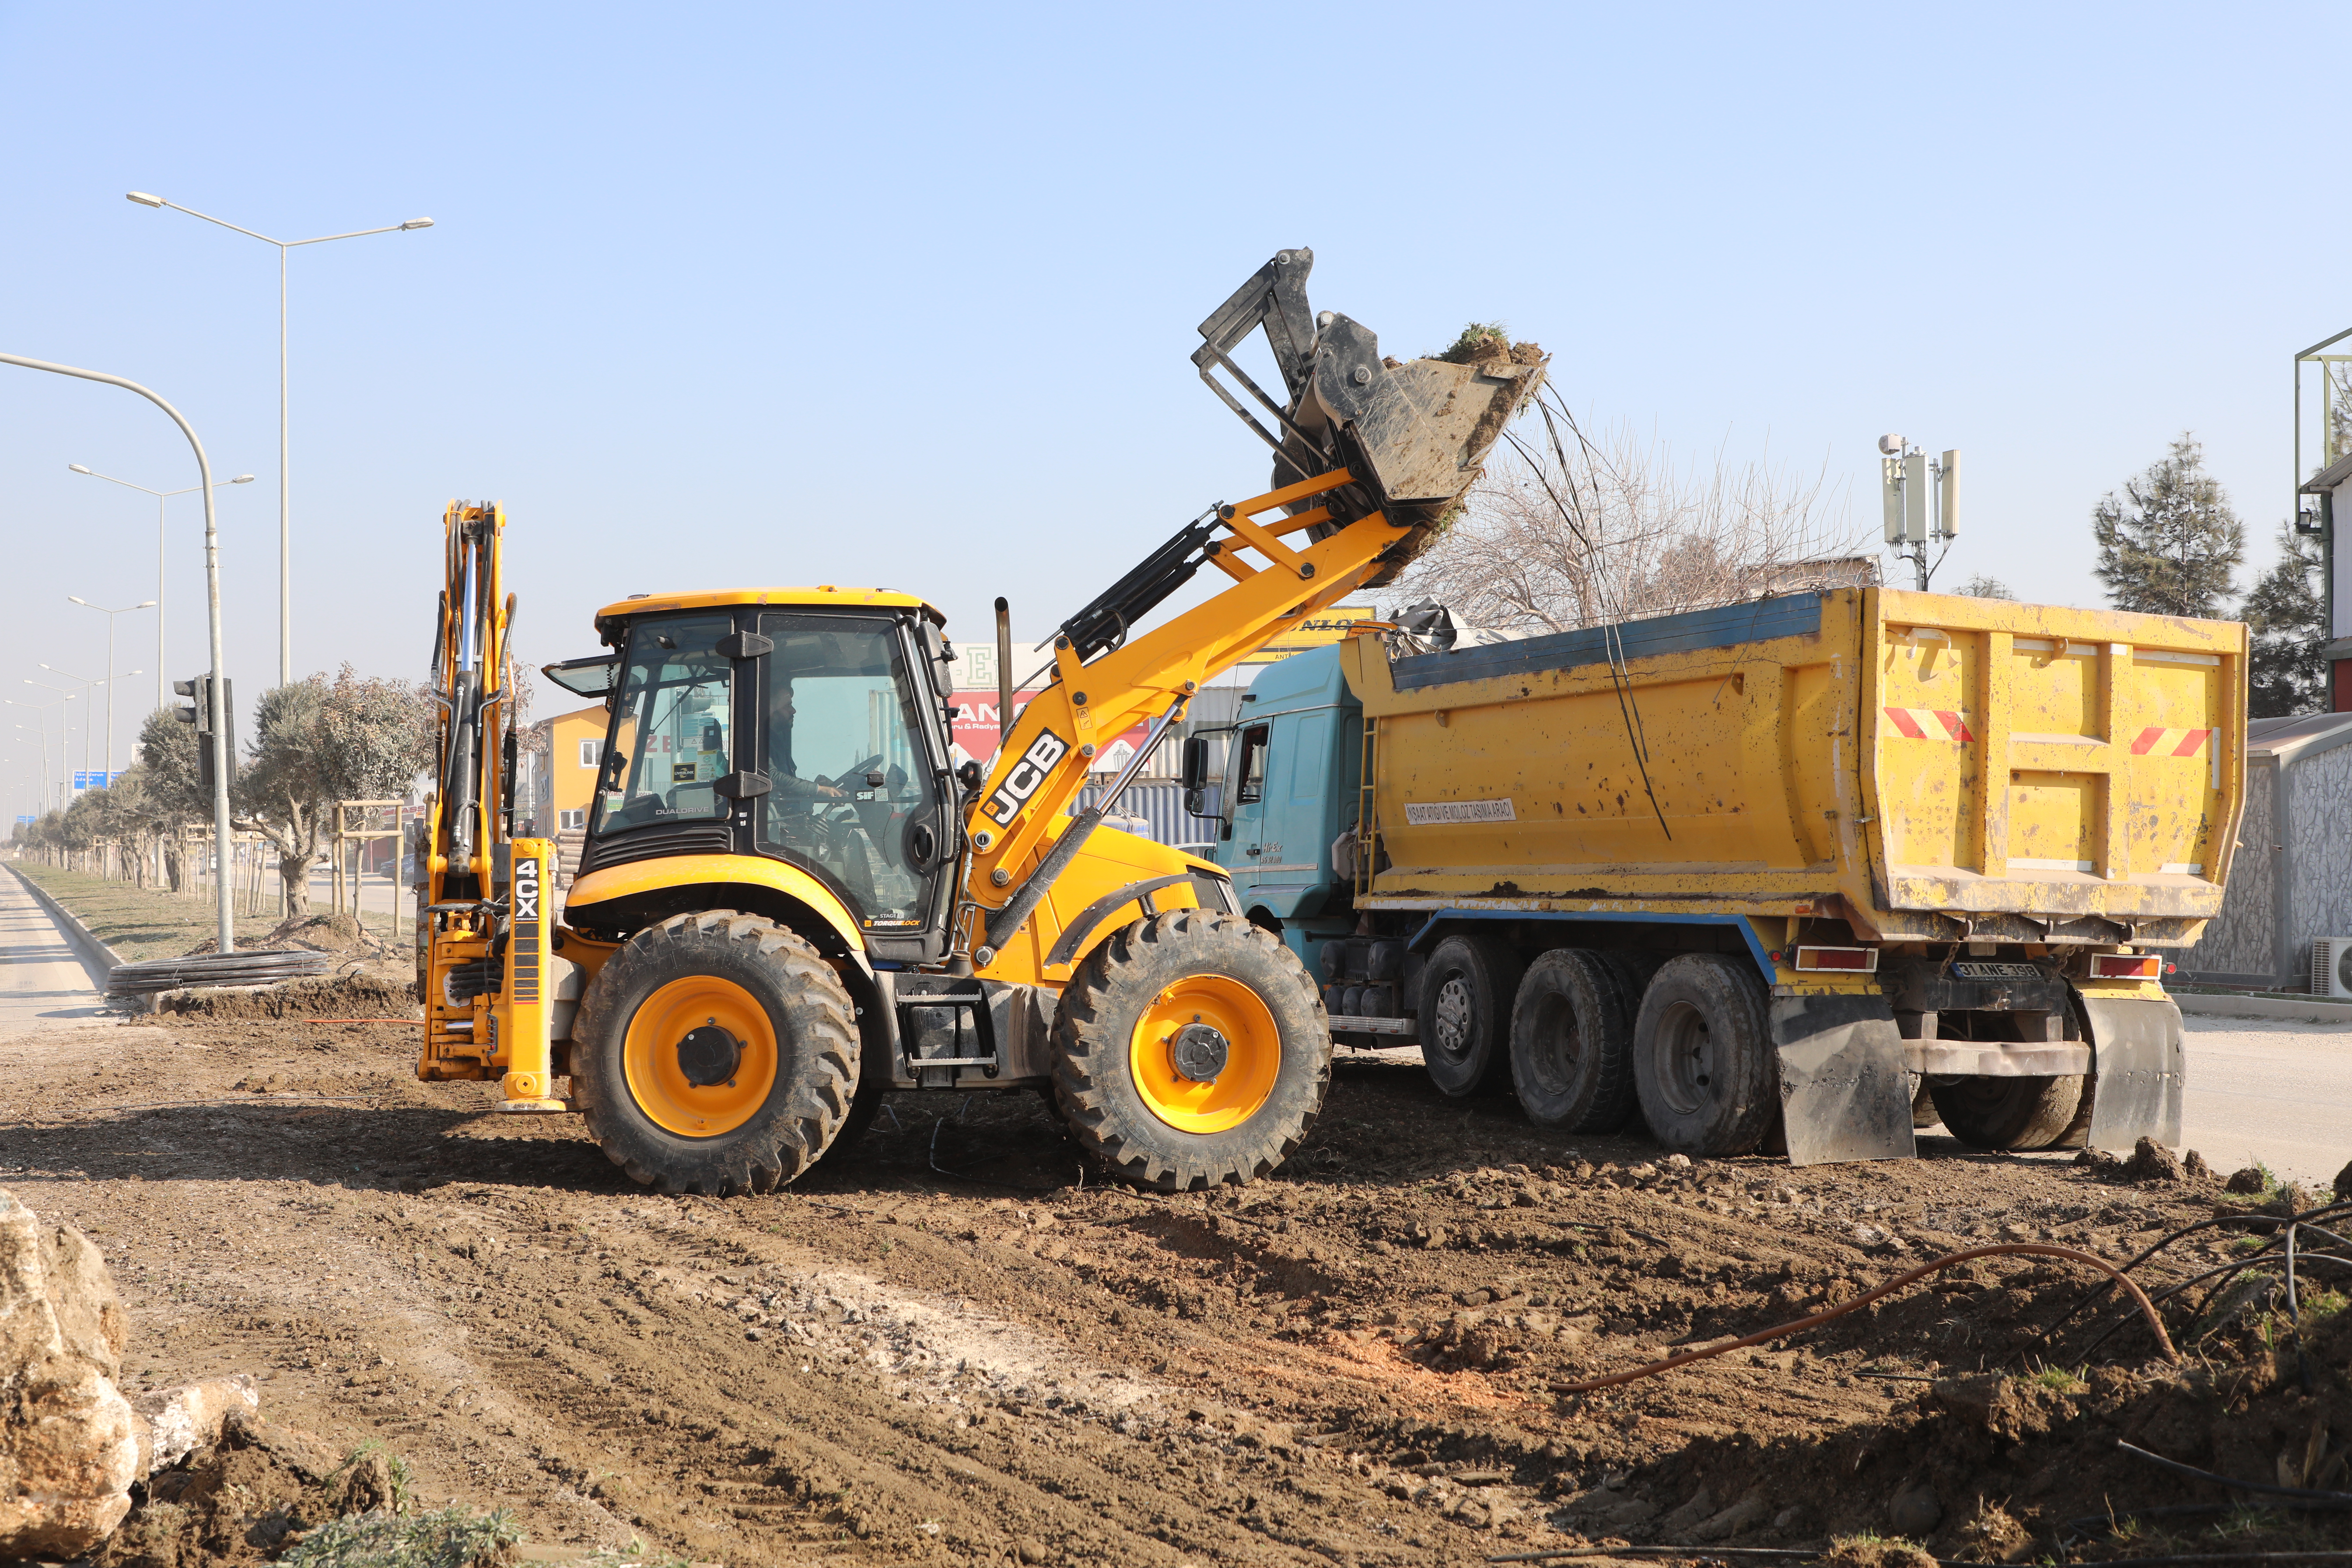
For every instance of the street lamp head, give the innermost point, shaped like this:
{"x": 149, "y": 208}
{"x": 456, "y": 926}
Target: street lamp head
{"x": 417, "y": 222}
{"x": 144, "y": 604}
{"x": 242, "y": 479}
{"x": 79, "y": 468}
{"x": 76, "y": 599}
{"x": 143, "y": 198}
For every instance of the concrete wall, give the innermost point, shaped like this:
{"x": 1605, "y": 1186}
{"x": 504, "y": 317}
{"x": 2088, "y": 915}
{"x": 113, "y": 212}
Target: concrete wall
{"x": 2319, "y": 850}
{"x": 2241, "y": 945}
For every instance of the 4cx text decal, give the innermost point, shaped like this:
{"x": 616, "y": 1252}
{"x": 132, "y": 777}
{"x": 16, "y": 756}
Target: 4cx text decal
{"x": 1027, "y": 774}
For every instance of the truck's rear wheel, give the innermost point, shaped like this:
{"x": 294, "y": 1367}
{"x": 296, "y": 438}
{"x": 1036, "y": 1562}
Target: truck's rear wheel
{"x": 1703, "y": 1058}
{"x": 1191, "y": 1050}
{"x": 1572, "y": 1044}
{"x": 715, "y": 1053}
{"x": 2008, "y": 1112}
{"x": 1465, "y": 1014}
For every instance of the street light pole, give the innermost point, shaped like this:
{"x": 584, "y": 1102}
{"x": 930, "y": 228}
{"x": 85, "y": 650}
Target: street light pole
{"x": 110, "y": 616}
{"x": 87, "y": 682}
{"x": 227, "y": 937}
{"x": 42, "y": 730}
{"x": 285, "y": 504}
{"x": 162, "y": 680}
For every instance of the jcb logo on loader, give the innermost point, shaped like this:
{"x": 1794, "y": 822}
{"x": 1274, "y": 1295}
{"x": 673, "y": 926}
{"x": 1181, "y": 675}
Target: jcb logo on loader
{"x": 1026, "y": 776}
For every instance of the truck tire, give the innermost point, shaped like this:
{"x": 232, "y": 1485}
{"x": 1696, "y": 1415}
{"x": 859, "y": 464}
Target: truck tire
{"x": 1572, "y": 1044}
{"x": 1704, "y": 1065}
{"x": 1180, "y": 1112}
{"x": 2009, "y": 1112}
{"x": 715, "y": 1053}
{"x": 1465, "y": 1014}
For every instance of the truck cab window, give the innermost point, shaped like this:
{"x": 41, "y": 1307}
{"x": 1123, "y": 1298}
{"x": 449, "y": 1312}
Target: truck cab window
{"x": 1251, "y": 771}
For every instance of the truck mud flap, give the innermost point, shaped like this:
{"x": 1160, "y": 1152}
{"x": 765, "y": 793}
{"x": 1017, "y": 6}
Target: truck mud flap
{"x": 2136, "y": 1052}
{"x": 1844, "y": 1091}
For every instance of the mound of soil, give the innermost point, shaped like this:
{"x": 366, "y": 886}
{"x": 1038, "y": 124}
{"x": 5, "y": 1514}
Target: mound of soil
{"x": 337, "y": 932}
{"x": 2001, "y": 1465}
{"x": 264, "y": 1487}
{"x": 360, "y": 995}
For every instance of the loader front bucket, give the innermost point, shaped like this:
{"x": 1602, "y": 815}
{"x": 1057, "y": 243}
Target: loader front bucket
{"x": 1413, "y": 432}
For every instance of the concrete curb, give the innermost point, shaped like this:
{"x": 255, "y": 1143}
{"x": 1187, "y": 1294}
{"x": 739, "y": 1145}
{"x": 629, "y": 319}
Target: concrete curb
{"x": 2316, "y": 1011}
{"x": 95, "y": 951}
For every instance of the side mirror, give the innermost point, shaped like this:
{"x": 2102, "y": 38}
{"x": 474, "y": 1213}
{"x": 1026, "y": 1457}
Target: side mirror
{"x": 1196, "y": 765}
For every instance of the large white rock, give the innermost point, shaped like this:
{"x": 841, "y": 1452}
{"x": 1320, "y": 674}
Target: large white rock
{"x": 68, "y": 1442}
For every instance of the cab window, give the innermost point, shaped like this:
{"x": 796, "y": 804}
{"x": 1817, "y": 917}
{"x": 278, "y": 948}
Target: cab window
{"x": 672, "y": 724}
{"x": 1251, "y": 773}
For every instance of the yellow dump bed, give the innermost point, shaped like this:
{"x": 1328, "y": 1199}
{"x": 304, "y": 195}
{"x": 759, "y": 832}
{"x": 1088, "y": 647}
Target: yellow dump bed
{"x": 1928, "y": 767}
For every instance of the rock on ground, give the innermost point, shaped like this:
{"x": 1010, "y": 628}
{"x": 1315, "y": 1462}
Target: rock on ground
{"x": 68, "y": 1443}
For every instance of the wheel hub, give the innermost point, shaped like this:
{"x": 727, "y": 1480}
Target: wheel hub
{"x": 1199, "y": 1052}
{"x": 1453, "y": 1030}
{"x": 708, "y": 1055}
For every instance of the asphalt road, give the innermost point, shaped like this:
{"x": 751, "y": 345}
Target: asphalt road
{"x": 43, "y": 981}
{"x": 2269, "y": 1090}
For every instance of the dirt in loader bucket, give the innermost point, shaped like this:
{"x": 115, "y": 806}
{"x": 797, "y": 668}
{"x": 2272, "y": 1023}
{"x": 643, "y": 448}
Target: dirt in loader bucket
{"x": 1425, "y": 426}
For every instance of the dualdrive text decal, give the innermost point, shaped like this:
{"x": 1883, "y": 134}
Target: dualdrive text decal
{"x": 1436, "y": 813}
{"x": 1027, "y": 774}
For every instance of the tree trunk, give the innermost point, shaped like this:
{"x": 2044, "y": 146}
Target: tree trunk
{"x": 295, "y": 871}
{"x": 175, "y": 864}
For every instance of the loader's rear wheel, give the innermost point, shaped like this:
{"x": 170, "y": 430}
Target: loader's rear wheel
{"x": 1703, "y": 1058}
{"x": 1191, "y": 1050}
{"x": 1467, "y": 989}
{"x": 1572, "y": 1044}
{"x": 715, "y": 1053}
{"x": 2009, "y": 1112}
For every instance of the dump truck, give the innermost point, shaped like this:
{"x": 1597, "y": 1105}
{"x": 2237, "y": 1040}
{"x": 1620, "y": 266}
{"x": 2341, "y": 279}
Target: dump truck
{"x": 791, "y": 900}
{"x": 1800, "y": 873}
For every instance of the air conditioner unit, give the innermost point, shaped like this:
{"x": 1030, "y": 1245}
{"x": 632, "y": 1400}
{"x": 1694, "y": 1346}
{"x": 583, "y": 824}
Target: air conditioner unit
{"x": 2331, "y": 967}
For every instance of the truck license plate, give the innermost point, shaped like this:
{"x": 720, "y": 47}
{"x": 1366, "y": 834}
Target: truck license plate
{"x": 1996, "y": 972}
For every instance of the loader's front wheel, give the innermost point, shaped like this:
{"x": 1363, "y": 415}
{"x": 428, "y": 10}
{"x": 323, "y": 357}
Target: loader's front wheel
{"x": 715, "y": 1053}
{"x": 2009, "y": 1112}
{"x": 1191, "y": 1050}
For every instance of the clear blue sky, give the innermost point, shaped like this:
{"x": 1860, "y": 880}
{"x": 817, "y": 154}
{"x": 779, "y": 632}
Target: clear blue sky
{"x": 770, "y": 294}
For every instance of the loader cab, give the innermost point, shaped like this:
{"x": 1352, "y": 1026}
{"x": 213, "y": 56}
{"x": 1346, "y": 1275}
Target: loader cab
{"x": 808, "y": 728}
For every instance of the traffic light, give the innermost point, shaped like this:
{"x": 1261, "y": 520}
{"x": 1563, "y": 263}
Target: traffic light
{"x": 198, "y": 710}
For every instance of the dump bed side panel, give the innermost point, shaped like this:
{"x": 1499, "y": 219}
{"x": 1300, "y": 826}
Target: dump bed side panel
{"x": 2054, "y": 762}
{"x": 1712, "y": 759}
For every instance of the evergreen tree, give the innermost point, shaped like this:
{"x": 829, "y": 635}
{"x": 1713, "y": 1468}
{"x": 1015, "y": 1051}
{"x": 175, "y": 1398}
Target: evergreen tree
{"x": 2169, "y": 546}
{"x": 2284, "y": 614}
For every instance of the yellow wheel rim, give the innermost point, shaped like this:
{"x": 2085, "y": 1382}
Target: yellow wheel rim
{"x": 700, "y": 1056}
{"x": 1243, "y": 1052}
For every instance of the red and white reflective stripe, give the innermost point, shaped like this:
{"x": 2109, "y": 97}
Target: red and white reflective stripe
{"x": 1860, "y": 959}
{"x": 2125, "y": 966}
{"x": 2163, "y": 743}
{"x": 1930, "y": 723}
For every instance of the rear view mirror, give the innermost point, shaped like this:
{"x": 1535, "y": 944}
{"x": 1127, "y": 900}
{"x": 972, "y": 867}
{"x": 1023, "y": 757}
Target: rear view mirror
{"x": 1196, "y": 762}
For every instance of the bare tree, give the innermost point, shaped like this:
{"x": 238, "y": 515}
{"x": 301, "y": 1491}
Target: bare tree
{"x": 1620, "y": 531}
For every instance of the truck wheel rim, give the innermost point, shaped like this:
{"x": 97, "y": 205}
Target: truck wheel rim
{"x": 1455, "y": 1010}
{"x": 1685, "y": 1059}
{"x": 676, "y": 1051}
{"x": 1253, "y": 1053}
{"x": 1552, "y": 1064}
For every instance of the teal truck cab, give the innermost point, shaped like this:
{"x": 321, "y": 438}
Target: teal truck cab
{"x": 1293, "y": 766}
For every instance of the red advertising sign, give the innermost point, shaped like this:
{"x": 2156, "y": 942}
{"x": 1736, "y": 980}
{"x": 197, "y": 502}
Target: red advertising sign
{"x": 977, "y": 729}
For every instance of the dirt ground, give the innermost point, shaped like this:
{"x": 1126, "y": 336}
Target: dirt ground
{"x": 953, "y": 1345}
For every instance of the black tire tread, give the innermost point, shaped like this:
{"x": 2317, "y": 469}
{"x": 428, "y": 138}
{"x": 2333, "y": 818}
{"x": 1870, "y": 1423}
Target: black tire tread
{"x": 1093, "y": 1081}
{"x": 768, "y": 1152}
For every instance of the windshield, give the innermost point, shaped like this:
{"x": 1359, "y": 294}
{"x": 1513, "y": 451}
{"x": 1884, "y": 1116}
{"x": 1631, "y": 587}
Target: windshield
{"x": 670, "y": 727}
{"x": 850, "y": 785}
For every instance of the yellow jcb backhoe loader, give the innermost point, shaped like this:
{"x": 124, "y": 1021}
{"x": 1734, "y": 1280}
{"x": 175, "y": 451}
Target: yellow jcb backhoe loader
{"x": 789, "y": 903}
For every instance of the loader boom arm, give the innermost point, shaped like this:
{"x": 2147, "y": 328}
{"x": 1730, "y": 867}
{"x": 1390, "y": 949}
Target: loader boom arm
{"x": 1371, "y": 451}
